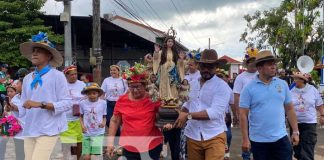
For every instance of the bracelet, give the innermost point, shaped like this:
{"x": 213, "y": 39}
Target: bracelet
{"x": 296, "y": 132}
{"x": 322, "y": 115}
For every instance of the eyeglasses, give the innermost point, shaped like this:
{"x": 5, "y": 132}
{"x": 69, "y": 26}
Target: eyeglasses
{"x": 133, "y": 87}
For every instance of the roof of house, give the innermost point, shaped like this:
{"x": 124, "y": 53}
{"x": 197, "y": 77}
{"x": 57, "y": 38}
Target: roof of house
{"x": 147, "y": 32}
{"x": 230, "y": 60}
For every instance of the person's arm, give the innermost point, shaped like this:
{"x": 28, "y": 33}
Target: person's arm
{"x": 319, "y": 106}
{"x": 84, "y": 129}
{"x": 321, "y": 112}
{"x": 215, "y": 111}
{"x": 236, "y": 107}
{"x": 292, "y": 119}
{"x": 103, "y": 87}
{"x": 244, "y": 113}
{"x": 64, "y": 101}
{"x": 115, "y": 122}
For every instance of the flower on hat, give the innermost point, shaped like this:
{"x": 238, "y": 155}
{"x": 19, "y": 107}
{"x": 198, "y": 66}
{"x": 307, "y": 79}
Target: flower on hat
{"x": 194, "y": 55}
{"x": 137, "y": 73}
{"x": 251, "y": 52}
{"x": 41, "y": 37}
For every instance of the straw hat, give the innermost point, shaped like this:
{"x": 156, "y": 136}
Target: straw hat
{"x": 210, "y": 56}
{"x": 70, "y": 69}
{"x": 92, "y": 87}
{"x": 304, "y": 76}
{"x": 265, "y": 55}
{"x": 41, "y": 40}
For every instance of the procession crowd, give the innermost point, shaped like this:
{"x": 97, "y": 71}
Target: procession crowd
{"x": 51, "y": 105}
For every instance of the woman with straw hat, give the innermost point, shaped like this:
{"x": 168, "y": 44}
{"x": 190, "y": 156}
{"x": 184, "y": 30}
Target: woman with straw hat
{"x": 307, "y": 100}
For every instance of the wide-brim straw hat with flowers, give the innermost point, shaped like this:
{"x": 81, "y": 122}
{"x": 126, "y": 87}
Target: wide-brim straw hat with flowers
{"x": 211, "y": 56}
{"x": 92, "y": 87}
{"x": 70, "y": 69}
{"x": 135, "y": 74}
{"x": 304, "y": 76}
{"x": 41, "y": 40}
{"x": 265, "y": 55}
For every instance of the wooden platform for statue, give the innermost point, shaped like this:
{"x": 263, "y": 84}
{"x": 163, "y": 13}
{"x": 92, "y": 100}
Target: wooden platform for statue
{"x": 167, "y": 114}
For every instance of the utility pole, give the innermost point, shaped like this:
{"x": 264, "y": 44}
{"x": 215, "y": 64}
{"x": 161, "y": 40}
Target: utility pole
{"x": 208, "y": 43}
{"x": 96, "y": 40}
{"x": 66, "y": 18}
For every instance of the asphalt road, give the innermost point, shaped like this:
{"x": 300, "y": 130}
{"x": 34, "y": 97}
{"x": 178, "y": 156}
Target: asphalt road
{"x": 235, "y": 148}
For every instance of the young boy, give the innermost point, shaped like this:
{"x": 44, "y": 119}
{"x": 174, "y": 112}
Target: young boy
{"x": 93, "y": 120}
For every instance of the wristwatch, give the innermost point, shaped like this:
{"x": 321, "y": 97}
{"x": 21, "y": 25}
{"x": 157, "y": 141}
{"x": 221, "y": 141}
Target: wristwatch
{"x": 189, "y": 117}
{"x": 43, "y": 106}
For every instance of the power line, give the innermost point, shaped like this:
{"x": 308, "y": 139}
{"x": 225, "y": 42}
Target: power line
{"x": 156, "y": 14}
{"x": 185, "y": 24}
{"x": 134, "y": 15}
{"x": 146, "y": 14}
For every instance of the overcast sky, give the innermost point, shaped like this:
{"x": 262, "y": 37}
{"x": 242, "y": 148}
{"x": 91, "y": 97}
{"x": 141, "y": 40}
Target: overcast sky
{"x": 194, "y": 20}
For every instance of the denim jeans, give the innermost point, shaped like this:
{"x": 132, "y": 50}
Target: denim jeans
{"x": 307, "y": 141}
{"x": 279, "y": 150}
{"x": 229, "y": 136}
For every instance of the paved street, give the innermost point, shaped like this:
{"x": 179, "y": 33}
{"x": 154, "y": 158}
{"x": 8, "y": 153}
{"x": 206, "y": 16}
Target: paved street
{"x": 235, "y": 148}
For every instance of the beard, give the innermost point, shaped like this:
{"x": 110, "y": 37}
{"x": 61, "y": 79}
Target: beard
{"x": 206, "y": 75}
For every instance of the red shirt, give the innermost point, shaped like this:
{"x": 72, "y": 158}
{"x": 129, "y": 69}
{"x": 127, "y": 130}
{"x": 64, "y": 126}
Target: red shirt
{"x": 138, "y": 133}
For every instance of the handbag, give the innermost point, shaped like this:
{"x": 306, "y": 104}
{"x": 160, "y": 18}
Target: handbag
{"x": 76, "y": 110}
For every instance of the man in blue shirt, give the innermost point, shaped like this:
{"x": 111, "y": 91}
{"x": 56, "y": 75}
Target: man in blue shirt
{"x": 263, "y": 105}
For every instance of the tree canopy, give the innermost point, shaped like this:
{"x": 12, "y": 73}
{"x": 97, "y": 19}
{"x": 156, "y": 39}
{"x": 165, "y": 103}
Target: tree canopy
{"x": 19, "y": 20}
{"x": 293, "y": 29}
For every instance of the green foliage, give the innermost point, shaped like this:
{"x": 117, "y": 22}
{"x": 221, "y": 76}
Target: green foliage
{"x": 19, "y": 19}
{"x": 287, "y": 29}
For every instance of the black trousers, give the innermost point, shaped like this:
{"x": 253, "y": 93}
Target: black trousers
{"x": 173, "y": 137}
{"x": 307, "y": 141}
{"x": 151, "y": 154}
{"x": 279, "y": 150}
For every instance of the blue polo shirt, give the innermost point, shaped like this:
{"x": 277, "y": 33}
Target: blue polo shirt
{"x": 266, "y": 109}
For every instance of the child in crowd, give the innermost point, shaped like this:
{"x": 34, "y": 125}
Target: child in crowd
{"x": 93, "y": 120}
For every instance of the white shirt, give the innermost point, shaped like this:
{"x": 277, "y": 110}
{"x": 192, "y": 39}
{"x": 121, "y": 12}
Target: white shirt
{"x": 43, "y": 122}
{"x": 16, "y": 100}
{"x": 113, "y": 88}
{"x": 93, "y": 113}
{"x": 213, "y": 97}
{"x": 306, "y": 101}
{"x": 242, "y": 80}
{"x": 76, "y": 96}
{"x": 192, "y": 76}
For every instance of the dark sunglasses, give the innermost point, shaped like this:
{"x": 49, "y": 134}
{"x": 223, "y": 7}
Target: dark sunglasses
{"x": 207, "y": 65}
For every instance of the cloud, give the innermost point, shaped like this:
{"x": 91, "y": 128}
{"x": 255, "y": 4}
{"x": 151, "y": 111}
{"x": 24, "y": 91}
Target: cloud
{"x": 195, "y": 21}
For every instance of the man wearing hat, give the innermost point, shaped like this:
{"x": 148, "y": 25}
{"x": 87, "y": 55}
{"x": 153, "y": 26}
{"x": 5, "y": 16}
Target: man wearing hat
{"x": 263, "y": 105}
{"x": 204, "y": 113}
{"x": 44, "y": 97}
{"x": 240, "y": 82}
{"x": 72, "y": 138}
